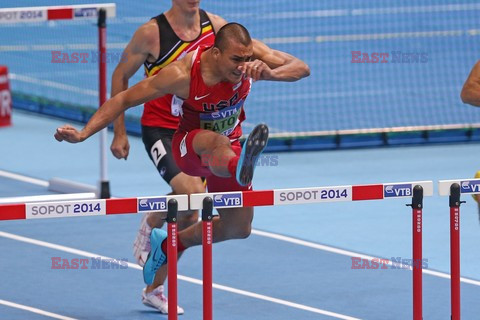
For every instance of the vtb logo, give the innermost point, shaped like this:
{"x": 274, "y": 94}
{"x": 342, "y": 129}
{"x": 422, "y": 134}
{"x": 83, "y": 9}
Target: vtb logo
{"x": 228, "y": 200}
{"x": 85, "y": 12}
{"x": 152, "y": 204}
{"x": 397, "y": 190}
{"x": 470, "y": 186}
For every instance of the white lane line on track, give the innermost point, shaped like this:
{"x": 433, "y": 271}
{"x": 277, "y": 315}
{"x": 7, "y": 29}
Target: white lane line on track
{"x": 35, "y": 310}
{"x": 52, "y": 84}
{"x": 350, "y": 254}
{"x": 292, "y": 14}
{"x": 270, "y": 41}
{"x": 14, "y": 176}
{"x": 181, "y": 277}
{"x": 417, "y": 9}
{"x": 352, "y": 12}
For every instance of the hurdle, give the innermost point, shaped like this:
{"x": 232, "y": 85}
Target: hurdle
{"x": 454, "y": 189}
{"x": 207, "y": 201}
{"x": 100, "y": 12}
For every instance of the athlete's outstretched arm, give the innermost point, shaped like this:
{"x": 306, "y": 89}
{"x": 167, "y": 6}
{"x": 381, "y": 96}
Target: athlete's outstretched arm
{"x": 275, "y": 65}
{"x": 172, "y": 79}
{"x": 471, "y": 89}
{"x": 140, "y": 47}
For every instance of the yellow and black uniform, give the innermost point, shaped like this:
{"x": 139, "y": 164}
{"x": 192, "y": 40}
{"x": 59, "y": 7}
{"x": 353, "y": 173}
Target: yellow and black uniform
{"x": 161, "y": 116}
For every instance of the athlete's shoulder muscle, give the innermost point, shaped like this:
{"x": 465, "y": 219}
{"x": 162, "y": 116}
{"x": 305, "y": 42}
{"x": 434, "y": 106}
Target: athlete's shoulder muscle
{"x": 147, "y": 39}
{"x": 175, "y": 78}
{"x": 217, "y": 21}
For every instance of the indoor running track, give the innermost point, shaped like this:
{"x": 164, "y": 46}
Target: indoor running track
{"x": 270, "y": 275}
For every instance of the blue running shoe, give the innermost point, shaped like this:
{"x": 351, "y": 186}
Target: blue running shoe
{"x": 156, "y": 258}
{"x": 251, "y": 151}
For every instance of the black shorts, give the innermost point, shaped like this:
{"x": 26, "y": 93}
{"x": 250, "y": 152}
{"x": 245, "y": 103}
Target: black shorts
{"x": 158, "y": 144}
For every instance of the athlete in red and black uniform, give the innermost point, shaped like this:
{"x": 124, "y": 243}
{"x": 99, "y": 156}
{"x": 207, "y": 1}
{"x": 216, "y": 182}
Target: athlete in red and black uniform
{"x": 217, "y": 108}
{"x": 224, "y": 70}
{"x": 164, "y": 39}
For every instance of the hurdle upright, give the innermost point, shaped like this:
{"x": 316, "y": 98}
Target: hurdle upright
{"x": 454, "y": 189}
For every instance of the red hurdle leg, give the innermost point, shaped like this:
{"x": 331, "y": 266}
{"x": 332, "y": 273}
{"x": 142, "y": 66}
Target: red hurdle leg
{"x": 417, "y": 205}
{"x": 207, "y": 216}
{"x": 455, "y": 249}
{"x": 172, "y": 258}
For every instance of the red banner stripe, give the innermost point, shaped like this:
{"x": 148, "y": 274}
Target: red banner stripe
{"x": 368, "y": 192}
{"x": 118, "y": 206}
{"x": 58, "y": 14}
{"x": 12, "y": 211}
{"x": 257, "y": 198}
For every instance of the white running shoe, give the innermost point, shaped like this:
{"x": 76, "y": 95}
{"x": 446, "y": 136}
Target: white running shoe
{"x": 141, "y": 245}
{"x": 156, "y": 299}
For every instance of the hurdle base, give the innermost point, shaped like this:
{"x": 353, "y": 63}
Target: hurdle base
{"x": 105, "y": 190}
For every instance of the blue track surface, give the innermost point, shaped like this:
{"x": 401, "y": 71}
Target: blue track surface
{"x": 309, "y": 276}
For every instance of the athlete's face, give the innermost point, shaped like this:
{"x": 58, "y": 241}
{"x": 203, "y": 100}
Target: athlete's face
{"x": 187, "y": 5}
{"x": 232, "y": 59}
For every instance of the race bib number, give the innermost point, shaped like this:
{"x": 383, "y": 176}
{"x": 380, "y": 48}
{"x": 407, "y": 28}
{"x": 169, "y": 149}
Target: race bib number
{"x": 223, "y": 121}
{"x": 176, "y": 106}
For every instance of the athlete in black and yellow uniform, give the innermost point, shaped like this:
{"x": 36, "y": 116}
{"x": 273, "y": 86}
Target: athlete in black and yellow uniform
{"x": 162, "y": 40}
{"x": 161, "y": 116}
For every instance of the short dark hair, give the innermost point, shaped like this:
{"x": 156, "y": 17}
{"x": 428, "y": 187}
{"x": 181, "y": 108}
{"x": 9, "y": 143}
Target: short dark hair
{"x": 232, "y": 31}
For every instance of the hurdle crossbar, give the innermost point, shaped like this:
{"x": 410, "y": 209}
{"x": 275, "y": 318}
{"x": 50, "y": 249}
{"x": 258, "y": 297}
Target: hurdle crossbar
{"x": 66, "y": 12}
{"x": 310, "y": 195}
{"x": 87, "y": 208}
{"x": 467, "y": 186}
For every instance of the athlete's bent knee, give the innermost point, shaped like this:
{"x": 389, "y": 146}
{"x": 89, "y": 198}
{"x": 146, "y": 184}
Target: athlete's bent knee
{"x": 243, "y": 232}
{"x": 219, "y": 142}
{"x": 183, "y": 184}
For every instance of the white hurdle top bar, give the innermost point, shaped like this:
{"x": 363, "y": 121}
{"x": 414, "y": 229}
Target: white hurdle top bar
{"x": 66, "y": 12}
{"x": 467, "y": 186}
{"x": 86, "y": 208}
{"x": 311, "y": 195}
{"x": 97, "y": 207}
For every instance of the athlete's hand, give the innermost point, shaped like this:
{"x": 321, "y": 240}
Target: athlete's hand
{"x": 69, "y": 134}
{"x": 257, "y": 70}
{"x": 120, "y": 146}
